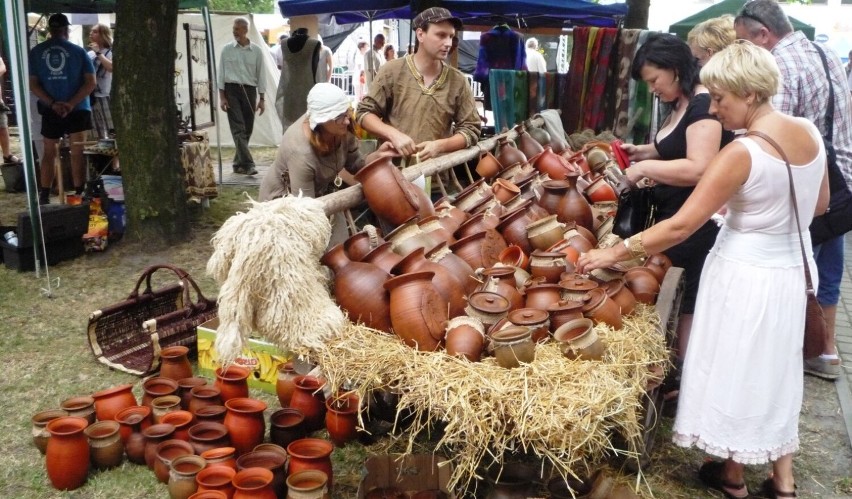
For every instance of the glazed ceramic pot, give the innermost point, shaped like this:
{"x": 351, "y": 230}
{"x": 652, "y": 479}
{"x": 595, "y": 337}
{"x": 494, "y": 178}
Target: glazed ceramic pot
{"x": 450, "y": 286}
{"x": 489, "y": 308}
{"x": 618, "y": 292}
{"x": 274, "y": 461}
{"x": 309, "y": 399}
{"x": 564, "y": 311}
{"x": 480, "y": 250}
{"x": 417, "y": 310}
{"x": 39, "y": 429}
{"x": 285, "y": 385}
{"x": 232, "y": 382}
{"x": 204, "y": 396}
{"x": 307, "y": 484}
{"x": 174, "y": 363}
{"x": 182, "y": 475}
{"x": 600, "y": 308}
{"x": 221, "y": 456}
{"x": 358, "y": 289}
{"x": 215, "y": 478}
{"x": 341, "y": 418}
{"x": 253, "y": 483}
{"x": 182, "y": 421}
{"x": 106, "y": 450}
{"x": 207, "y": 435}
{"x": 361, "y": 243}
{"x": 465, "y": 338}
{"x": 641, "y": 281}
{"x": 161, "y": 406}
{"x": 442, "y": 255}
{"x": 166, "y": 452}
{"x": 111, "y": 401}
{"x": 537, "y": 320}
{"x": 157, "y": 386}
{"x": 286, "y": 425}
{"x": 512, "y": 346}
{"x": 311, "y": 454}
{"x": 185, "y": 387}
{"x": 488, "y": 166}
{"x": 67, "y": 455}
{"x": 80, "y": 407}
{"x": 390, "y": 196}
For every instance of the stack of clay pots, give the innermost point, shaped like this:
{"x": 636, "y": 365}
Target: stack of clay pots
{"x": 449, "y": 275}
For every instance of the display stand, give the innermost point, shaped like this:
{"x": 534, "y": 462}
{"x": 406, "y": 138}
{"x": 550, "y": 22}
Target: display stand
{"x": 200, "y": 78}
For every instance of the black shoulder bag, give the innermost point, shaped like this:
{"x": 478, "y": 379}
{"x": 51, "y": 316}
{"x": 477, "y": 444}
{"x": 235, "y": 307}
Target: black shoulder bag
{"x": 837, "y": 219}
{"x": 635, "y": 213}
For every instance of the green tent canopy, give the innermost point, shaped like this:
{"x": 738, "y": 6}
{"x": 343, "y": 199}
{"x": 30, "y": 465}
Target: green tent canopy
{"x": 683, "y": 27}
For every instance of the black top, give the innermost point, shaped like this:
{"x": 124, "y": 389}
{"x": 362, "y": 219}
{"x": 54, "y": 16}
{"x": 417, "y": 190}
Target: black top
{"x": 673, "y": 146}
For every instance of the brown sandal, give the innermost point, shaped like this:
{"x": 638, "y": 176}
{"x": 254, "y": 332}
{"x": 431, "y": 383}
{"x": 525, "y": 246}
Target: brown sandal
{"x": 768, "y": 490}
{"x": 710, "y": 474}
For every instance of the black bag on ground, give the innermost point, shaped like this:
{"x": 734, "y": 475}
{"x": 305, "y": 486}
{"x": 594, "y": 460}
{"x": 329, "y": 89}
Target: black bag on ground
{"x": 636, "y": 212}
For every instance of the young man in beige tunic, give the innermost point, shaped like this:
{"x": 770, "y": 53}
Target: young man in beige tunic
{"x": 419, "y": 103}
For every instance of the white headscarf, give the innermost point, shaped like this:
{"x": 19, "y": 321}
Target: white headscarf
{"x": 325, "y": 103}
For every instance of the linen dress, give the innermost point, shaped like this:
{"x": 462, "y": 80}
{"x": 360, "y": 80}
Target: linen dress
{"x": 741, "y": 390}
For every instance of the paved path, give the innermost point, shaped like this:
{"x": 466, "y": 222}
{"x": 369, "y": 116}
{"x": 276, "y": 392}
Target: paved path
{"x": 843, "y": 335}
{"x": 231, "y": 178}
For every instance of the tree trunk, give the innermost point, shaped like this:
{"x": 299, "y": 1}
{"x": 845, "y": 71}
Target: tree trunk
{"x": 637, "y": 14}
{"x": 144, "y": 112}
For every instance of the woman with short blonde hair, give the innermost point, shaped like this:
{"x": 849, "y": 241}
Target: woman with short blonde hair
{"x": 710, "y": 37}
{"x": 744, "y": 70}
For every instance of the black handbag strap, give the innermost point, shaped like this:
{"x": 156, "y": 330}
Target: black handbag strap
{"x": 829, "y": 112}
{"x": 809, "y": 289}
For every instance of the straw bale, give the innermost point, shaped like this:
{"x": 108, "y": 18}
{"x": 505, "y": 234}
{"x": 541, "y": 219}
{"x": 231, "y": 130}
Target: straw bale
{"x": 563, "y": 411}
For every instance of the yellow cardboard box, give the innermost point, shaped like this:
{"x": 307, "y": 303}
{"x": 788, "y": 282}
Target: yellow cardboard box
{"x": 260, "y": 357}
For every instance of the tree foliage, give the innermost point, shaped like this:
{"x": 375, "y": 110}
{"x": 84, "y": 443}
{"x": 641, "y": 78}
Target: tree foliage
{"x": 251, "y": 6}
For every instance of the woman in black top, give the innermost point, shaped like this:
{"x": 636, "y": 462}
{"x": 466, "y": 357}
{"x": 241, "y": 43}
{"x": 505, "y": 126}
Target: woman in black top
{"x": 683, "y": 147}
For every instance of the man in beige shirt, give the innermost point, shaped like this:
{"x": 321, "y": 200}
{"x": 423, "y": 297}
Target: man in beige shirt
{"x": 419, "y": 103}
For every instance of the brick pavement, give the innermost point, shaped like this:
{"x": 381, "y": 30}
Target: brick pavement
{"x": 843, "y": 336}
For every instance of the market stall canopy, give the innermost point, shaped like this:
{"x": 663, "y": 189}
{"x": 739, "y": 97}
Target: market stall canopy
{"x": 525, "y": 13}
{"x": 92, "y": 6}
{"x": 683, "y": 27}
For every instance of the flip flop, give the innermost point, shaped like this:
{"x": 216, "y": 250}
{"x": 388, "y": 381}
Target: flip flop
{"x": 710, "y": 474}
{"x": 768, "y": 490}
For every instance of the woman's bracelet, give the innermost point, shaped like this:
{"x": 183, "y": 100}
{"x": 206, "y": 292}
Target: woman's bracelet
{"x": 635, "y": 246}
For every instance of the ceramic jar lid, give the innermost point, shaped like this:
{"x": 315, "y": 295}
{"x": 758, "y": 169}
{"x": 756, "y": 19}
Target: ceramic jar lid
{"x": 593, "y": 299}
{"x": 578, "y": 284}
{"x": 488, "y": 302}
{"x": 528, "y": 316}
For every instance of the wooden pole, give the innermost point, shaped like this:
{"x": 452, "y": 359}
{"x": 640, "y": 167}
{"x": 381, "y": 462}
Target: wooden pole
{"x": 350, "y": 197}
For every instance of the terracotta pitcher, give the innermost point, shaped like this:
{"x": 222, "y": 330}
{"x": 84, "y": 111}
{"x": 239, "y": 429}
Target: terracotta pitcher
{"x": 388, "y": 194}
{"x": 573, "y": 207}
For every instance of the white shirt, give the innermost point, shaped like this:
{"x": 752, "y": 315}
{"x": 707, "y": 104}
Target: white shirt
{"x": 535, "y": 62}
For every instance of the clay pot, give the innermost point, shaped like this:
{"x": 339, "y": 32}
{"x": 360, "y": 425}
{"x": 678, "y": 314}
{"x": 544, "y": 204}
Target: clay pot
{"x": 578, "y": 159}
{"x": 643, "y": 284}
{"x": 80, "y": 407}
{"x": 599, "y": 191}
{"x": 361, "y": 243}
{"x": 389, "y": 195}
{"x": 513, "y": 482}
{"x": 182, "y": 421}
{"x": 221, "y": 456}
{"x": 508, "y": 154}
{"x": 132, "y": 421}
{"x": 154, "y": 435}
{"x": 166, "y": 452}
{"x": 501, "y": 280}
{"x": 564, "y": 311}
{"x": 545, "y": 232}
{"x": 309, "y": 399}
{"x": 207, "y": 435}
{"x": 174, "y": 363}
{"x": 480, "y": 250}
{"x": 504, "y": 190}
{"x": 540, "y": 135}
{"x": 274, "y": 461}
{"x": 312, "y": 454}
{"x": 417, "y": 310}
{"x": 552, "y": 193}
{"x": 659, "y": 263}
{"x": 512, "y": 346}
{"x": 542, "y": 296}
{"x": 111, "y": 401}
{"x": 596, "y": 158}
{"x": 185, "y": 387}
{"x": 408, "y": 237}
{"x": 450, "y": 286}
{"x": 157, "y": 386}
{"x": 211, "y": 414}
{"x": 39, "y": 431}
{"x": 436, "y": 230}
{"x": 552, "y": 164}
{"x": 575, "y": 289}
{"x": 182, "y": 475}
{"x": 204, "y": 396}
{"x": 618, "y": 292}
{"x": 573, "y": 207}
{"x": 465, "y": 338}
{"x": 286, "y": 425}
{"x": 67, "y": 455}
{"x": 571, "y": 330}
{"x": 215, "y": 478}
{"x": 600, "y": 308}
{"x": 442, "y": 255}
{"x": 513, "y": 227}
{"x": 526, "y": 143}
{"x": 547, "y": 265}
{"x": 449, "y": 216}
{"x": 253, "y": 483}
{"x": 537, "y": 320}
{"x": 488, "y": 165}
{"x": 307, "y": 484}
{"x": 358, "y": 289}
{"x": 209, "y": 494}
{"x": 383, "y": 257}
{"x": 106, "y": 449}
{"x": 472, "y": 195}
{"x": 570, "y": 488}
{"x": 161, "y": 406}
{"x": 477, "y": 223}
{"x": 514, "y": 256}
{"x": 579, "y": 340}
{"x": 285, "y": 385}
{"x": 489, "y": 308}
{"x": 341, "y": 418}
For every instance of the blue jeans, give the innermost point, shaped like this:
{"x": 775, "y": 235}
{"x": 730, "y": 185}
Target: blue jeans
{"x": 829, "y": 262}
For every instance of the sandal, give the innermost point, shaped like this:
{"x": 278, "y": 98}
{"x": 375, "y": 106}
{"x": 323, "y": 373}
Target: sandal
{"x": 710, "y": 474}
{"x": 768, "y": 490}
{"x": 11, "y": 159}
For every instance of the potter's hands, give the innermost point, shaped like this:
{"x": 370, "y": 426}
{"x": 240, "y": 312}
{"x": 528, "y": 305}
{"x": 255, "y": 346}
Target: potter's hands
{"x": 429, "y": 149}
{"x": 402, "y": 143}
{"x": 384, "y": 151}
{"x": 597, "y": 259}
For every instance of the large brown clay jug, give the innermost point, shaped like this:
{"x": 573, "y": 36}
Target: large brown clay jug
{"x": 508, "y": 154}
{"x": 388, "y": 194}
{"x": 480, "y": 250}
{"x": 513, "y": 228}
{"x": 383, "y": 257}
{"x": 245, "y": 423}
{"x": 417, "y": 309}
{"x": 526, "y": 143}
{"x": 552, "y": 164}
{"x": 442, "y": 255}
{"x": 573, "y": 207}
{"x": 358, "y": 289}
{"x": 67, "y": 456}
{"x": 450, "y": 286}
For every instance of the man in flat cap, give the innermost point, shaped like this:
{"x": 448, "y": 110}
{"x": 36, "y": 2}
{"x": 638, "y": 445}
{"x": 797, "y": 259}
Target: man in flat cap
{"x": 62, "y": 76}
{"x": 419, "y": 103}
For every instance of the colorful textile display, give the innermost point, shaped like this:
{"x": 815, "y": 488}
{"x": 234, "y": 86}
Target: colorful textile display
{"x": 499, "y": 48}
{"x": 198, "y": 168}
{"x": 598, "y": 62}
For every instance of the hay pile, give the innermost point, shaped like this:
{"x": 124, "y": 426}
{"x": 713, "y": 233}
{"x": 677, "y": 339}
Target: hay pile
{"x": 564, "y": 411}
{"x": 267, "y": 264}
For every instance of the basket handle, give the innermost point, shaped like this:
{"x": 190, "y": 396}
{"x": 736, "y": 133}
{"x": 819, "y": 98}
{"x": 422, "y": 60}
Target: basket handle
{"x": 201, "y": 304}
{"x": 182, "y": 275}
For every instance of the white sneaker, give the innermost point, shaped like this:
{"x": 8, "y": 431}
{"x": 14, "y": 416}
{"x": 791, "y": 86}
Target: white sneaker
{"x": 821, "y": 368}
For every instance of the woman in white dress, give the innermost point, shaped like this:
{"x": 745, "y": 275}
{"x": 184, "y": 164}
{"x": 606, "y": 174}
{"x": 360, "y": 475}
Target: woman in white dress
{"x": 741, "y": 391}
